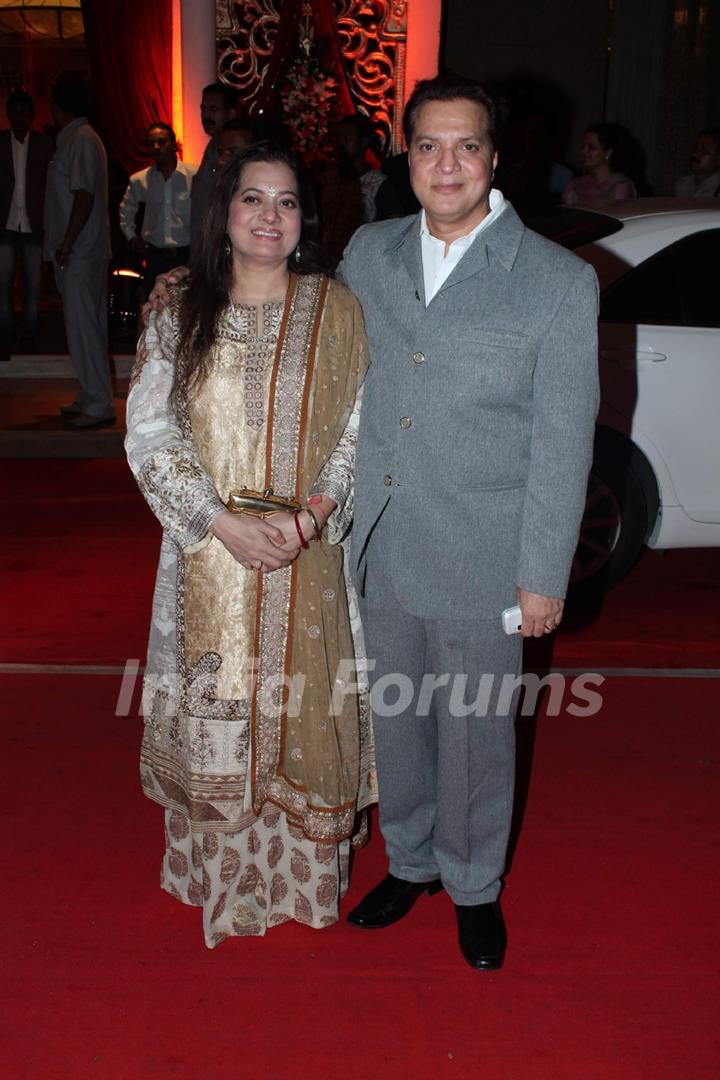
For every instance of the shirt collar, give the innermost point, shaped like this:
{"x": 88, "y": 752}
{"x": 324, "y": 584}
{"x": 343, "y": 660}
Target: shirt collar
{"x": 497, "y": 205}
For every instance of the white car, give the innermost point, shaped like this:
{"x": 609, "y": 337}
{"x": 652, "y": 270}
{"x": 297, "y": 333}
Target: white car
{"x": 656, "y": 473}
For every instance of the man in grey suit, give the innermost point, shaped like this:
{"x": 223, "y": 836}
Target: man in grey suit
{"x": 475, "y": 442}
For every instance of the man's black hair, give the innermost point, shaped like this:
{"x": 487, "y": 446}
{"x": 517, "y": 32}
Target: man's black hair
{"x": 19, "y": 99}
{"x": 223, "y": 91}
{"x": 451, "y": 88}
{"x": 258, "y": 130}
{"x": 70, "y": 93}
{"x": 163, "y": 127}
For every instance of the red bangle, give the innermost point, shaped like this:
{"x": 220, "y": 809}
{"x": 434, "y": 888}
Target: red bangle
{"x": 303, "y": 541}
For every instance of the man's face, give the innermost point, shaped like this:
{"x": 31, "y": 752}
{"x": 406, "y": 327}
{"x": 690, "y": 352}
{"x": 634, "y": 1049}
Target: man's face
{"x": 161, "y": 146}
{"x": 705, "y": 158}
{"x": 229, "y": 142}
{"x": 214, "y": 113}
{"x": 452, "y": 163}
{"x": 349, "y": 142}
{"x": 21, "y": 118}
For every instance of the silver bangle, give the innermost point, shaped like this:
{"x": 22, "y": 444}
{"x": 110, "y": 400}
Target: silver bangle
{"x": 314, "y": 520}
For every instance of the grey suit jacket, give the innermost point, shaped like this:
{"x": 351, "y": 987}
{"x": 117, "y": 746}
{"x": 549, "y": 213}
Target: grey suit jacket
{"x": 478, "y": 415}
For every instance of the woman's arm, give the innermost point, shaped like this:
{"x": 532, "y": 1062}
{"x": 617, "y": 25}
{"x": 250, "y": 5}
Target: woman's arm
{"x": 170, "y": 474}
{"x": 164, "y": 462}
{"x": 334, "y": 484}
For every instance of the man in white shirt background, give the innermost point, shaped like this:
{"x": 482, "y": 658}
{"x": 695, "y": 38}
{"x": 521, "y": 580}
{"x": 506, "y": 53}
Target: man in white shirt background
{"x": 24, "y": 157}
{"x": 165, "y": 191}
{"x": 703, "y": 181}
{"x": 77, "y": 242}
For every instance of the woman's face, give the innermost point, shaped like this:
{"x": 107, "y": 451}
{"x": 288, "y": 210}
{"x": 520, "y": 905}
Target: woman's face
{"x": 592, "y": 152}
{"x": 264, "y": 218}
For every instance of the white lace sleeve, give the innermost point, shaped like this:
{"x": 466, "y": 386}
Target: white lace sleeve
{"x": 163, "y": 460}
{"x": 336, "y": 477}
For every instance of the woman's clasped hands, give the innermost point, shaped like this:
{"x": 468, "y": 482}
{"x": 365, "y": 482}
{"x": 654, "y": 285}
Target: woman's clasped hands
{"x": 263, "y": 544}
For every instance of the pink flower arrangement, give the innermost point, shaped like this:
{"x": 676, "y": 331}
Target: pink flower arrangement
{"x": 308, "y": 96}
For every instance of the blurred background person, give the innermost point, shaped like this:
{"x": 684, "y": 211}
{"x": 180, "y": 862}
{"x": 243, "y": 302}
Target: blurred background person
{"x": 348, "y": 190}
{"x": 24, "y": 157}
{"x": 164, "y": 190}
{"x": 217, "y": 106}
{"x": 238, "y": 134}
{"x": 528, "y": 173}
{"x": 703, "y": 180}
{"x": 77, "y": 242}
{"x": 602, "y": 182}
{"x": 395, "y": 197}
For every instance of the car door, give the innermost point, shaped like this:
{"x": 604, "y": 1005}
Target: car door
{"x": 660, "y": 364}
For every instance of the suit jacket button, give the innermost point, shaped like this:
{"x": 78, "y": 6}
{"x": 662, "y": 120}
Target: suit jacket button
{"x": 419, "y": 357}
{"x": 405, "y": 422}
{"x": 387, "y": 481}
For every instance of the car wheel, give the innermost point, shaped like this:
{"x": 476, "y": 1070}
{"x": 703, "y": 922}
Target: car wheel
{"x": 614, "y": 526}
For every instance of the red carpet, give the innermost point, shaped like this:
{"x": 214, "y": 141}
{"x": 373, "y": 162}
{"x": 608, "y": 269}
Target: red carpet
{"x": 612, "y": 966}
{"x": 79, "y": 549}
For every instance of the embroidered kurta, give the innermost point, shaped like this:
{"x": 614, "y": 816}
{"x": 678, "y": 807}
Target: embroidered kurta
{"x": 254, "y": 735}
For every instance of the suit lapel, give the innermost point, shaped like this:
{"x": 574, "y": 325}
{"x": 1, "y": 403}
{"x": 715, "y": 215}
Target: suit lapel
{"x": 6, "y": 146}
{"x": 410, "y": 250}
{"x": 500, "y": 240}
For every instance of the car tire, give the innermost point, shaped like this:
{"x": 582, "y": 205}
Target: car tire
{"x": 614, "y": 526}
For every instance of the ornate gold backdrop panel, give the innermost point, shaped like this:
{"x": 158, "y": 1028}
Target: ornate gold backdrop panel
{"x": 372, "y": 35}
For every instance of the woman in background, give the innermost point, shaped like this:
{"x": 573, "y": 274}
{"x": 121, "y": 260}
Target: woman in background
{"x": 602, "y": 183}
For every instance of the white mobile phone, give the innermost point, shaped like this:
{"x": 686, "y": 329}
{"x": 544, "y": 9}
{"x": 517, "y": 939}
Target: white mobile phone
{"x": 512, "y": 620}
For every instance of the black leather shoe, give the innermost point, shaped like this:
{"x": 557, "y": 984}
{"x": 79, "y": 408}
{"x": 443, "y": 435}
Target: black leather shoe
{"x": 390, "y": 901}
{"x": 482, "y": 935}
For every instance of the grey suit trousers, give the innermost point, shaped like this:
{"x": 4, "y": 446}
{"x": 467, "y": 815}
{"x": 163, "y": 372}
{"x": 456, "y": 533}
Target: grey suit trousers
{"x": 445, "y": 779}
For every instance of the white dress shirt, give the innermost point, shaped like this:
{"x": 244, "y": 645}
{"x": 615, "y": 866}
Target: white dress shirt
{"x": 437, "y": 266}
{"x": 18, "y": 220}
{"x": 689, "y": 187}
{"x": 79, "y": 164}
{"x": 167, "y": 206}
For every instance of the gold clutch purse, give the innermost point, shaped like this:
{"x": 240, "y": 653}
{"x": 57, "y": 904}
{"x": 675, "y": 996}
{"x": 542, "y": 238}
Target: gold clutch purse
{"x": 260, "y": 504}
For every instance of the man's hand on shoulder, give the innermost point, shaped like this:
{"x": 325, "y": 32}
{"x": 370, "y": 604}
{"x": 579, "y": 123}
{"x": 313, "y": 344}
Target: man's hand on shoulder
{"x": 540, "y": 614}
{"x": 160, "y": 293}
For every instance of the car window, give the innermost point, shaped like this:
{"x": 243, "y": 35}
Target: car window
{"x": 699, "y": 267}
{"x": 676, "y": 287}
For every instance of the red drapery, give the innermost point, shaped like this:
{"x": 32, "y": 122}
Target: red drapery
{"x": 328, "y": 37}
{"x": 285, "y": 51}
{"x": 129, "y": 43}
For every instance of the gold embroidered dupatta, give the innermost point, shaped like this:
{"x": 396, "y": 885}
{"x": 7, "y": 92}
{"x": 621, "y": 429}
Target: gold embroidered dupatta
{"x": 304, "y": 743}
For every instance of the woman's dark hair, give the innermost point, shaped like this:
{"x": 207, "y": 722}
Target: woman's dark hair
{"x": 608, "y": 135}
{"x": 628, "y": 156}
{"x": 210, "y": 280}
{"x": 451, "y": 88}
